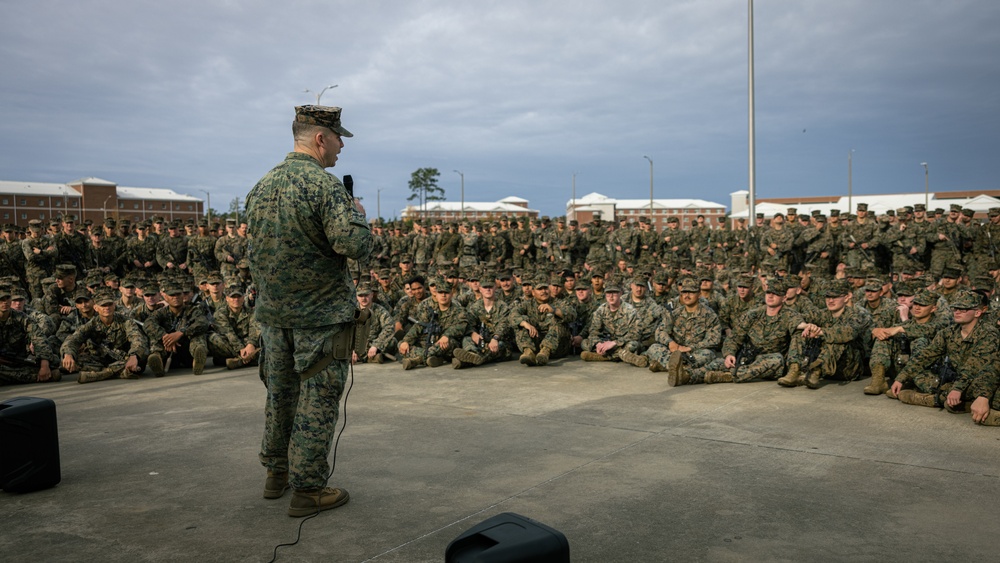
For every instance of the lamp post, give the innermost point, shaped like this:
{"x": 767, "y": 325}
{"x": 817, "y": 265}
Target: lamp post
{"x": 650, "y": 188}
{"x": 209, "y": 204}
{"x": 850, "y": 177}
{"x": 927, "y": 185}
{"x": 752, "y": 183}
{"x": 378, "y": 204}
{"x": 573, "y": 205}
{"x": 104, "y": 206}
{"x": 320, "y": 95}
{"x": 463, "y": 191}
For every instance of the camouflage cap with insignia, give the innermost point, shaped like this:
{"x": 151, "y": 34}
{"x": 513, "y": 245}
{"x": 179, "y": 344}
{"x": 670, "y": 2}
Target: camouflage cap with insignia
{"x": 63, "y": 270}
{"x": 745, "y": 280}
{"x": 919, "y": 207}
{"x": 951, "y": 273}
{"x": 540, "y": 282}
{"x": 613, "y": 285}
{"x": 582, "y": 283}
{"x": 984, "y": 282}
{"x": 925, "y": 298}
{"x": 324, "y": 116}
{"x": 955, "y": 208}
{"x": 837, "y": 288}
{"x": 5, "y": 291}
{"x": 967, "y": 299}
{"x": 862, "y": 207}
{"x": 105, "y": 297}
{"x": 873, "y": 284}
{"x": 172, "y": 288}
{"x": 688, "y": 285}
{"x": 233, "y": 289}
{"x": 776, "y": 286}
{"x": 366, "y": 289}
{"x": 904, "y": 288}
{"x": 82, "y": 294}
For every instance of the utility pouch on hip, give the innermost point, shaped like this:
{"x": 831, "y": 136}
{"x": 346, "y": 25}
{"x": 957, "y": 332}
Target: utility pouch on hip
{"x": 353, "y": 338}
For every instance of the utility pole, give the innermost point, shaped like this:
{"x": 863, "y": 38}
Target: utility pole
{"x": 463, "y": 191}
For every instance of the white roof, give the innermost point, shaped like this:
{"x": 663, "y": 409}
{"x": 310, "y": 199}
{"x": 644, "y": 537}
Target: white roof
{"x": 456, "y": 206}
{"x": 601, "y": 199}
{"x": 37, "y": 188}
{"x": 513, "y": 199}
{"x": 154, "y": 194}
{"x": 877, "y": 204}
{"x": 91, "y": 181}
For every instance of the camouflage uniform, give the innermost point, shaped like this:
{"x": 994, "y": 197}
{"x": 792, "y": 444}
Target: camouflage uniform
{"x": 493, "y": 324}
{"x": 234, "y": 330}
{"x": 16, "y": 334}
{"x": 842, "y": 350}
{"x": 699, "y": 330}
{"x": 201, "y": 255}
{"x": 974, "y": 360}
{"x": 109, "y": 345}
{"x": 621, "y": 326}
{"x": 38, "y": 265}
{"x": 771, "y": 336}
{"x": 172, "y": 250}
{"x": 191, "y": 321}
{"x": 303, "y": 227}
{"x": 432, "y": 324}
{"x": 553, "y": 333}
{"x": 381, "y": 331}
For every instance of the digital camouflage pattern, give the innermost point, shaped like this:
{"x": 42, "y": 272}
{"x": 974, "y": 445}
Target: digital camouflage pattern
{"x": 621, "y": 326}
{"x": 96, "y": 346}
{"x": 699, "y": 330}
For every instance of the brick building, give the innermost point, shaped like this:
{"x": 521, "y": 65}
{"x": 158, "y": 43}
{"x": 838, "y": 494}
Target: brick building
{"x": 93, "y": 199}
{"x": 473, "y": 211}
{"x": 594, "y": 205}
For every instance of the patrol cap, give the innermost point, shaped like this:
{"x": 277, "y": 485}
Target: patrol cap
{"x": 214, "y": 277}
{"x": 613, "y": 286}
{"x": 662, "y": 277}
{"x": 540, "y": 282}
{"x": 172, "y": 288}
{"x": 955, "y": 208}
{"x": 582, "y": 283}
{"x": 5, "y": 292}
{"x": 17, "y": 292}
{"x": 406, "y": 259}
{"x": 234, "y": 289}
{"x": 837, "y": 288}
{"x": 64, "y": 270}
{"x": 776, "y": 286}
{"x": 984, "y": 282}
{"x": 363, "y": 289}
{"x": 82, "y": 294}
{"x": 919, "y": 207}
{"x": 862, "y": 207}
{"x": 938, "y": 210}
{"x": 487, "y": 280}
{"x": 994, "y": 211}
{"x": 905, "y": 288}
{"x": 925, "y": 298}
{"x": 324, "y": 116}
{"x": 444, "y": 286}
{"x": 688, "y": 285}
{"x": 150, "y": 288}
{"x": 745, "y": 280}
{"x": 968, "y": 212}
{"x": 640, "y": 279}
{"x": 967, "y": 299}
{"x": 104, "y": 297}
{"x": 951, "y": 273}
{"x": 834, "y": 213}
{"x": 873, "y": 284}
{"x": 820, "y": 218}
{"x": 854, "y": 272}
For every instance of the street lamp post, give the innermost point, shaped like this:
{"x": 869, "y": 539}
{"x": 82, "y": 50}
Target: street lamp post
{"x": 378, "y": 204}
{"x": 573, "y": 206}
{"x": 209, "y": 204}
{"x": 104, "y": 206}
{"x": 752, "y": 157}
{"x": 927, "y": 185}
{"x": 650, "y": 189}
{"x": 320, "y": 95}
{"x": 850, "y": 179}
{"x": 463, "y": 191}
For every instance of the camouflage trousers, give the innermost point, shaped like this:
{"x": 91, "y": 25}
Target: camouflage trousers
{"x": 221, "y": 349}
{"x": 502, "y": 355}
{"x": 941, "y": 259}
{"x": 300, "y": 415}
{"x": 92, "y": 362}
{"x": 696, "y": 358}
{"x": 764, "y": 366}
{"x": 590, "y": 345}
{"x": 552, "y": 335}
{"x": 860, "y": 258}
{"x": 18, "y": 374}
{"x": 888, "y": 353}
{"x": 186, "y": 348}
{"x": 841, "y": 361}
{"x": 34, "y": 279}
{"x": 424, "y": 352}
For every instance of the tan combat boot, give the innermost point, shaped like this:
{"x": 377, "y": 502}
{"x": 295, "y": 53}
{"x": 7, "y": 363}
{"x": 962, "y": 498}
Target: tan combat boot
{"x": 878, "y": 384}
{"x": 914, "y": 397}
{"x": 92, "y": 376}
{"x": 275, "y": 485}
{"x": 155, "y": 364}
{"x": 234, "y": 363}
{"x": 593, "y": 357}
{"x": 678, "y": 375}
{"x": 718, "y": 377}
{"x": 814, "y": 377}
{"x": 791, "y": 379}
{"x": 410, "y": 363}
{"x": 992, "y": 419}
{"x": 528, "y": 357}
{"x": 199, "y": 356}
{"x": 434, "y": 362}
{"x": 637, "y": 360}
{"x": 655, "y": 367}
{"x": 311, "y": 501}
{"x": 542, "y": 358}
{"x": 469, "y": 357}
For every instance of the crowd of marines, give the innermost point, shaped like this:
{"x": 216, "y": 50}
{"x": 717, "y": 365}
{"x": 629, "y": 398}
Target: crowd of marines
{"x": 906, "y": 298}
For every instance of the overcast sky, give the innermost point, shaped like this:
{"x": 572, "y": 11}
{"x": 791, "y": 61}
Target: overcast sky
{"x": 518, "y": 95}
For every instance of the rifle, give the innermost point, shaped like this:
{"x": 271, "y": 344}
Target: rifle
{"x": 863, "y": 251}
{"x": 745, "y": 356}
{"x": 903, "y": 343}
{"x": 993, "y": 249}
{"x": 811, "y": 350}
{"x": 946, "y": 373}
{"x": 431, "y": 327}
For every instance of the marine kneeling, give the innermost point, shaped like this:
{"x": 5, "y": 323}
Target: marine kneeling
{"x": 117, "y": 346}
{"x": 438, "y": 327}
{"x": 614, "y": 331}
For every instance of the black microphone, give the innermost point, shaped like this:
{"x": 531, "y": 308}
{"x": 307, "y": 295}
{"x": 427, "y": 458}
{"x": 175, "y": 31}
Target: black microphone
{"x": 349, "y": 184}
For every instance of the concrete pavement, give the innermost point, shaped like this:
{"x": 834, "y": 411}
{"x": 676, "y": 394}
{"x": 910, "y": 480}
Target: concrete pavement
{"x": 627, "y": 467}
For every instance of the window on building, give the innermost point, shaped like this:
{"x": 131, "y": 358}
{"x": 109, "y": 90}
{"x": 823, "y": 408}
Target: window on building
{"x": 149, "y": 206}
{"x": 6, "y": 215}
{"x": 24, "y": 216}
{"x": 163, "y": 206}
{"x": 24, "y": 202}
{"x": 76, "y": 203}
{"x": 135, "y": 206}
{"x": 41, "y": 216}
{"x": 41, "y": 203}
{"x": 5, "y": 201}
{"x": 190, "y": 208}
{"x": 58, "y": 203}
{"x": 121, "y": 205}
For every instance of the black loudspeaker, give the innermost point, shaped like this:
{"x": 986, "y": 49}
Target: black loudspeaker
{"x": 29, "y": 445}
{"x": 509, "y": 538}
